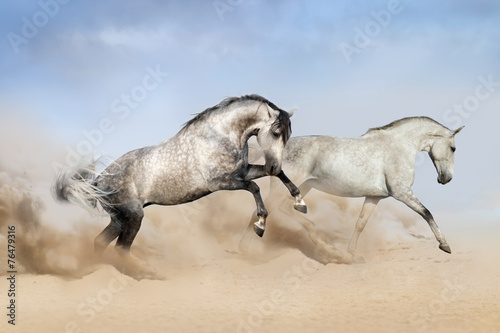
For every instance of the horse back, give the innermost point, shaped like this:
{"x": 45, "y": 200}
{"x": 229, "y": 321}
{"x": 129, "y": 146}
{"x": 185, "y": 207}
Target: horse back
{"x": 348, "y": 167}
{"x": 164, "y": 174}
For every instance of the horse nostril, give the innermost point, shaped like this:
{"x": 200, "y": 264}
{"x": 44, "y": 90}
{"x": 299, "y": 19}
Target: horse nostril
{"x": 444, "y": 179}
{"x": 272, "y": 169}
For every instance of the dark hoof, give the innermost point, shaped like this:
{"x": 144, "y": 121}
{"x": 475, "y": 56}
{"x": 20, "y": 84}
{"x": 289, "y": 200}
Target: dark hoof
{"x": 258, "y": 228}
{"x": 445, "y": 248}
{"x": 300, "y": 208}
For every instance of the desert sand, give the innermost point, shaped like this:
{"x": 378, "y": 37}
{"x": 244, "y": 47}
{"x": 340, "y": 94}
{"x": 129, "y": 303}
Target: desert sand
{"x": 406, "y": 284}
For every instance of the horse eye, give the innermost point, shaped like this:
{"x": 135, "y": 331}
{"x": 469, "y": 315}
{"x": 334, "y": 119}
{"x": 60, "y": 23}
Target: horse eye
{"x": 453, "y": 149}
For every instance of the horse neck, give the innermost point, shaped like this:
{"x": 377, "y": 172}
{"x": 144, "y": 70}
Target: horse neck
{"x": 236, "y": 123}
{"x": 247, "y": 121}
{"x": 420, "y": 135}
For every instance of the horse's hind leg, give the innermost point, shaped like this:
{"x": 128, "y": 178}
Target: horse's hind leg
{"x": 106, "y": 236}
{"x": 367, "y": 210}
{"x": 130, "y": 217}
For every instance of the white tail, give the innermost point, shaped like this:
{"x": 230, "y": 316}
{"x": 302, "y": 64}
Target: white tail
{"x": 77, "y": 186}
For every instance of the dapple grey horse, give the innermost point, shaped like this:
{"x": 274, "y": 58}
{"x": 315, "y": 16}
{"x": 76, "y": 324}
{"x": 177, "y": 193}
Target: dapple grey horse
{"x": 379, "y": 164}
{"x": 210, "y": 153}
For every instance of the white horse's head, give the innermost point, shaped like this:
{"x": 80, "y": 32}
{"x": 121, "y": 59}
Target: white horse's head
{"x": 273, "y": 136}
{"x": 442, "y": 153}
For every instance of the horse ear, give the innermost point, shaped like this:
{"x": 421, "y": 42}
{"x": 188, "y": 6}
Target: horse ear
{"x": 457, "y": 130}
{"x": 269, "y": 110}
{"x": 291, "y": 112}
{"x": 272, "y": 113}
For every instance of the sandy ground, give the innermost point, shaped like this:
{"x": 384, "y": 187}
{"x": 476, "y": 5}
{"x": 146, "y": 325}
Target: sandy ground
{"x": 406, "y": 285}
{"x": 408, "y": 289}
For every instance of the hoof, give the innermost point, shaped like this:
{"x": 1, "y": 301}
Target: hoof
{"x": 445, "y": 248}
{"x": 301, "y": 208}
{"x": 258, "y": 227}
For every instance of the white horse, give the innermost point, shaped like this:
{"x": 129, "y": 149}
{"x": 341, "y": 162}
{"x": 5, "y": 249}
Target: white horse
{"x": 377, "y": 165}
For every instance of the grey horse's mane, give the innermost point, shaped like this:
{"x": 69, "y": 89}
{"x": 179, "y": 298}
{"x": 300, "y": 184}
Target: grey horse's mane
{"x": 283, "y": 120}
{"x": 402, "y": 121}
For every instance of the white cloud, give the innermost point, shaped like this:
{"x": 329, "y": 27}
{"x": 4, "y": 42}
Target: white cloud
{"x": 137, "y": 39}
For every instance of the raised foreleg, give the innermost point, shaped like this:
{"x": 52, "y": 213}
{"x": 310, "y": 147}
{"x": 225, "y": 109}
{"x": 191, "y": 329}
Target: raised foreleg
{"x": 323, "y": 252}
{"x": 272, "y": 202}
{"x": 258, "y": 171}
{"x": 252, "y": 187}
{"x": 279, "y": 203}
{"x": 299, "y": 203}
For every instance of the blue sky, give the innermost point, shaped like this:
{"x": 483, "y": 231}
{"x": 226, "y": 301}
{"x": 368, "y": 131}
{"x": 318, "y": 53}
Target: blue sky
{"x": 412, "y": 58}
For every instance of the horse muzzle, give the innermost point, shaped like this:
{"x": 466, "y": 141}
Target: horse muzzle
{"x": 273, "y": 168}
{"x": 444, "y": 179}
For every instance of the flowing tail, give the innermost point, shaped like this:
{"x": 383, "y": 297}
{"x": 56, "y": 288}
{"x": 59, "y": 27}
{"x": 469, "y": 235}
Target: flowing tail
{"x": 77, "y": 186}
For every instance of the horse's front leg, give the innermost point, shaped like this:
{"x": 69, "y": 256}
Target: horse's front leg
{"x": 258, "y": 171}
{"x": 252, "y": 187}
{"x": 299, "y": 203}
{"x": 411, "y": 201}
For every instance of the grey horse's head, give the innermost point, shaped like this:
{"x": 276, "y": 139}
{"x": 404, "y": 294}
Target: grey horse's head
{"x": 442, "y": 153}
{"x": 273, "y": 136}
